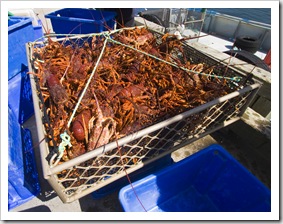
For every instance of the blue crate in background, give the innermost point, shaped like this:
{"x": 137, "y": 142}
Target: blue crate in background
{"x": 20, "y": 31}
{"x": 81, "y": 21}
{"x": 210, "y": 180}
{"x": 38, "y": 31}
{"x": 20, "y": 95}
{"x": 136, "y": 175}
{"x": 23, "y": 182}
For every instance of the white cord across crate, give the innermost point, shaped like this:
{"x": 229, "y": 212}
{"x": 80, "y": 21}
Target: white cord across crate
{"x": 65, "y": 137}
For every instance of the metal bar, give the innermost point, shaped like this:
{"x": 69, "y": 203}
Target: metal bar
{"x": 237, "y": 29}
{"x": 202, "y": 20}
{"x": 194, "y": 21}
{"x": 263, "y": 38}
{"x": 253, "y": 23}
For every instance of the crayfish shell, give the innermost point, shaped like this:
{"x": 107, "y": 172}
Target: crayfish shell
{"x": 80, "y": 125}
{"x": 57, "y": 91}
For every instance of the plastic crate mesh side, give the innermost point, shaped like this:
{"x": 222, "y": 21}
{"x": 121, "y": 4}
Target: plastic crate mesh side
{"x": 20, "y": 95}
{"x": 31, "y": 180}
{"x": 23, "y": 177}
{"x": 26, "y": 103}
{"x": 17, "y": 38}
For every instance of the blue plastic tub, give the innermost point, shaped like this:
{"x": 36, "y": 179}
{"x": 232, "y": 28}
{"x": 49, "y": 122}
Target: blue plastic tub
{"x": 136, "y": 175}
{"x": 38, "y": 31}
{"x": 20, "y": 96}
{"x": 20, "y": 31}
{"x": 23, "y": 182}
{"x": 208, "y": 181}
{"x": 81, "y": 21}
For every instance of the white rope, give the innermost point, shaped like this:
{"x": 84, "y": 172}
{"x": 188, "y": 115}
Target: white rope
{"x": 88, "y": 82}
{"x": 65, "y": 137}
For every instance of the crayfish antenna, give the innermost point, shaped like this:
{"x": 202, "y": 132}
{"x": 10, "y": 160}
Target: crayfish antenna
{"x": 99, "y": 111}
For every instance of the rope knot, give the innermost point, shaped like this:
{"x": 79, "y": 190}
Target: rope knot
{"x": 65, "y": 142}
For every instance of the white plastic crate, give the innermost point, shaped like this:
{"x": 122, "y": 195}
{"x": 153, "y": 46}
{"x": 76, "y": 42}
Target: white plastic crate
{"x": 93, "y": 170}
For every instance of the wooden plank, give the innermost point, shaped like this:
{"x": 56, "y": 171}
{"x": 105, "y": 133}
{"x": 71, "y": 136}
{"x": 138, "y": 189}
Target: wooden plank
{"x": 139, "y": 21}
{"x": 258, "y": 122}
{"x": 262, "y": 106}
{"x": 265, "y": 91}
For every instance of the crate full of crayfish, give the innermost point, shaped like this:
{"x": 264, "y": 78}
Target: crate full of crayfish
{"x": 108, "y": 104}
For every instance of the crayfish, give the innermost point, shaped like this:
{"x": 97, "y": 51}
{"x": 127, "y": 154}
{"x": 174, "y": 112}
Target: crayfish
{"x": 132, "y": 87}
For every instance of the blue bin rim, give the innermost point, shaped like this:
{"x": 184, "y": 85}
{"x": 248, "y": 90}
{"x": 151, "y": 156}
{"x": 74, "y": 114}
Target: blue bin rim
{"x": 122, "y": 195}
{"x": 53, "y": 15}
{"x": 192, "y": 157}
{"x": 24, "y": 21}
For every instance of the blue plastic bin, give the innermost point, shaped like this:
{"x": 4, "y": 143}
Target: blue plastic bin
{"x": 23, "y": 182}
{"x": 208, "y": 181}
{"x": 38, "y": 31}
{"x": 20, "y": 95}
{"x": 20, "y": 31}
{"x": 81, "y": 21}
{"x": 136, "y": 175}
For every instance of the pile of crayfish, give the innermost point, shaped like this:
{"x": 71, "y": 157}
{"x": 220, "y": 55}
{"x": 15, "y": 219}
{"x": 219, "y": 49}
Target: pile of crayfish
{"x": 139, "y": 80}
